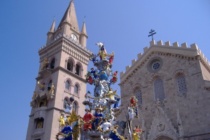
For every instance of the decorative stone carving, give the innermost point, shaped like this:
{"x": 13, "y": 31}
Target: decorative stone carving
{"x": 45, "y": 63}
{"x": 51, "y": 92}
{"x": 161, "y": 126}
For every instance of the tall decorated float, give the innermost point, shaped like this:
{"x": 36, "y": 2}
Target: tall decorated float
{"x": 101, "y": 106}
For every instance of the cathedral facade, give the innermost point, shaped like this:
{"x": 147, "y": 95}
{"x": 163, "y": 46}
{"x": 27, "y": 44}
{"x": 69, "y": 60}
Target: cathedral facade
{"x": 172, "y": 85}
{"x": 61, "y": 81}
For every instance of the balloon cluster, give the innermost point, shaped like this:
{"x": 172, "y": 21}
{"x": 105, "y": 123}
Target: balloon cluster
{"x": 102, "y": 104}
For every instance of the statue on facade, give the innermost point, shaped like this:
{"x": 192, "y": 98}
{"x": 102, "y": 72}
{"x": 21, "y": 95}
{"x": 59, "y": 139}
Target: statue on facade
{"x": 41, "y": 85}
{"x": 51, "y": 92}
{"x": 45, "y": 63}
{"x": 35, "y": 95}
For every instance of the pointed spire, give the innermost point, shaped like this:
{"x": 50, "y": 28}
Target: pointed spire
{"x": 52, "y": 28}
{"x": 70, "y": 17}
{"x": 84, "y": 31}
{"x": 83, "y": 35}
{"x": 67, "y": 16}
{"x": 50, "y": 34}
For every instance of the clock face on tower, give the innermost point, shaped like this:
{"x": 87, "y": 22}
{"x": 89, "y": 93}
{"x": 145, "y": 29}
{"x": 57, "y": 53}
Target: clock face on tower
{"x": 74, "y": 37}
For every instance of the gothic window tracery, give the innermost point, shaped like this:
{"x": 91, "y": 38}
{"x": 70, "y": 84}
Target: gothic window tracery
{"x": 155, "y": 65}
{"x": 181, "y": 83}
{"x": 138, "y": 95}
{"x": 159, "y": 89}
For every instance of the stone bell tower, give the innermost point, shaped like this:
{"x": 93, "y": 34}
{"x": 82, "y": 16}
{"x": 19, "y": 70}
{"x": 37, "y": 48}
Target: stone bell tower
{"x": 61, "y": 77}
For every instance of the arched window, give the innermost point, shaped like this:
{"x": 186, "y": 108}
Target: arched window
{"x": 70, "y": 65}
{"x": 76, "y": 88}
{"x": 49, "y": 85}
{"x": 181, "y": 83}
{"x": 52, "y": 63}
{"x": 66, "y": 105}
{"x": 65, "y": 102}
{"x": 159, "y": 89}
{"x": 138, "y": 95}
{"x": 75, "y": 107}
{"x": 67, "y": 85}
{"x": 43, "y": 102}
{"x": 78, "y": 69}
{"x": 39, "y": 123}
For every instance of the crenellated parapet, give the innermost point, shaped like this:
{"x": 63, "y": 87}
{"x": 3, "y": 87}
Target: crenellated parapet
{"x": 184, "y": 51}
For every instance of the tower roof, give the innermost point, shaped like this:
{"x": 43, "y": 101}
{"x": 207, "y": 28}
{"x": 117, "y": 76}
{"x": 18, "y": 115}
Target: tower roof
{"x": 70, "y": 17}
{"x": 52, "y": 28}
{"x": 84, "y": 31}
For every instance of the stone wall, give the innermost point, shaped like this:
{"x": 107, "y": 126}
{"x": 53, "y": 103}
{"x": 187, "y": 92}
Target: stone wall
{"x": 178, "y": 116}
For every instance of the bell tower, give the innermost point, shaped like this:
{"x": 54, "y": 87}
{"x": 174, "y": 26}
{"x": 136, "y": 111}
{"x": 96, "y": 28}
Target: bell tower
{"x": 61, "y": 84}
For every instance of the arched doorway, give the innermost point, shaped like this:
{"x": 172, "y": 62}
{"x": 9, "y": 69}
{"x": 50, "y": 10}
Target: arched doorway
{"x": 163, "y": 138}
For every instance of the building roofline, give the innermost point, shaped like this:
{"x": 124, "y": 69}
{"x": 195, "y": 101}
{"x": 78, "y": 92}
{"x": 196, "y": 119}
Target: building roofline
{"x": 184, "y": 50}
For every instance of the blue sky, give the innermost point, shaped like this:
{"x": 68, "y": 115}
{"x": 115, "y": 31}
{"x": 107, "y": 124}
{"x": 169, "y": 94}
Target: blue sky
{"x": 122, "y": 25}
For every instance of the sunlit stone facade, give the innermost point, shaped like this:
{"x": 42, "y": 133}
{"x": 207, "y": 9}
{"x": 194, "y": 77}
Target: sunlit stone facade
{"x": 172, "y": 83}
